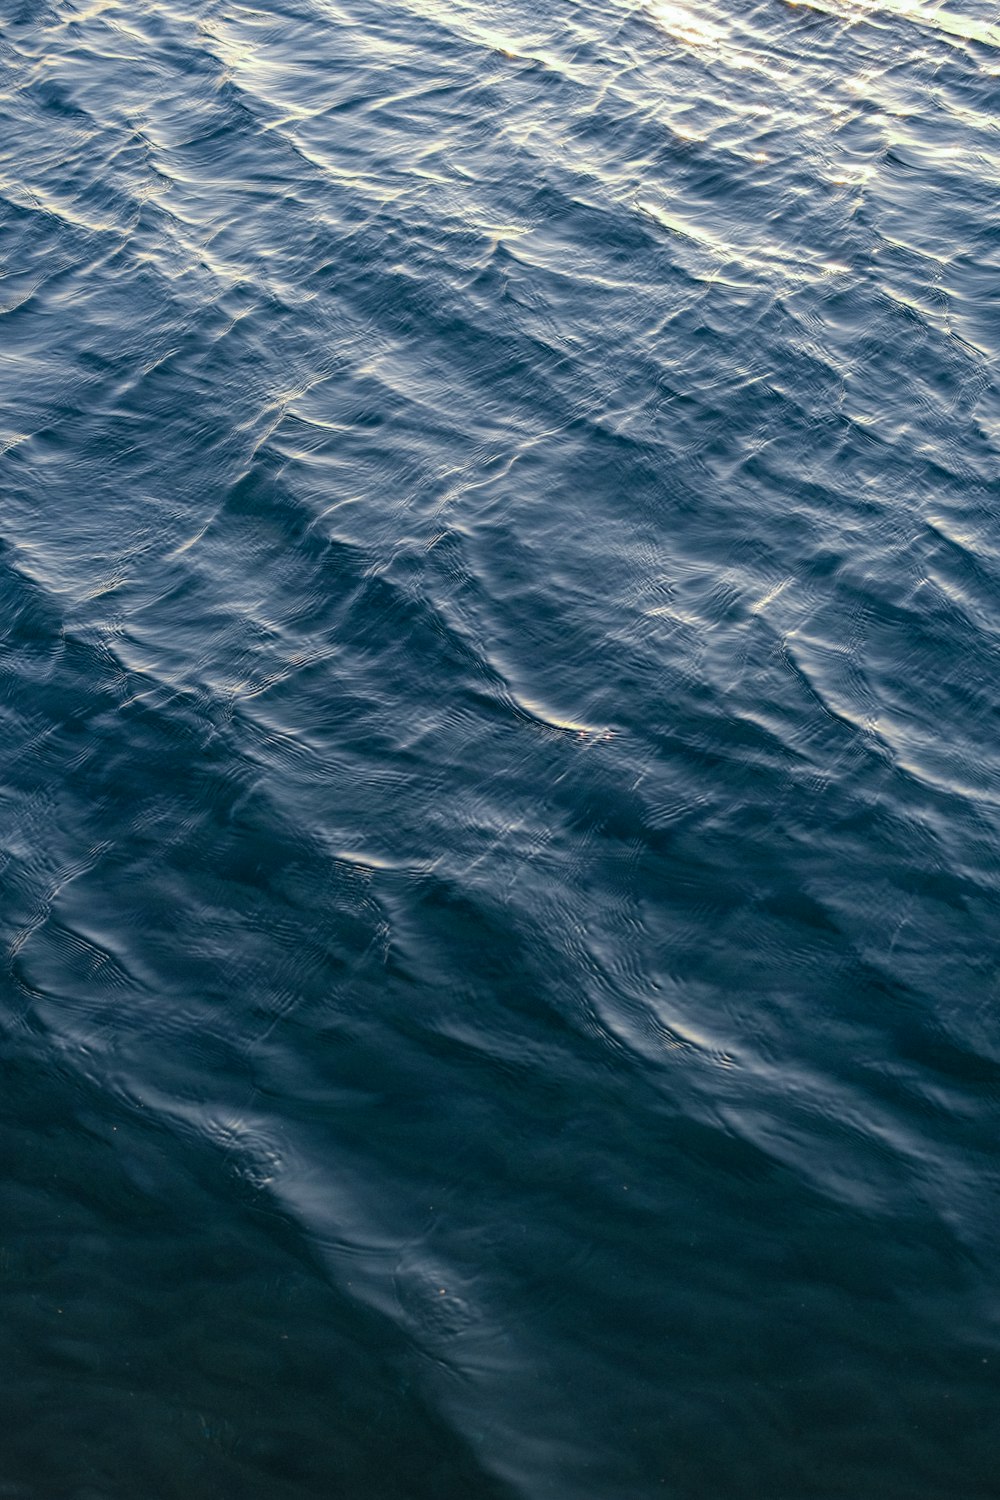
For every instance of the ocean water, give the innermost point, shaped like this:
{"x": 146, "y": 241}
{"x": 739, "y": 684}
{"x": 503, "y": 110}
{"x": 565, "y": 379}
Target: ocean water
{"x": 499, "y": 750}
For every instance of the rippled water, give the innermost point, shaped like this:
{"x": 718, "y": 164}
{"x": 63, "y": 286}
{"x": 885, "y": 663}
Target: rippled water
{"x": 500, "y": 755}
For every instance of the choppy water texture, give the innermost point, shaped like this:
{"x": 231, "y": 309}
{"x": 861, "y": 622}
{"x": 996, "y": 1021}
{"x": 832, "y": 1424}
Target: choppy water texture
{"x": 500, "y": 751}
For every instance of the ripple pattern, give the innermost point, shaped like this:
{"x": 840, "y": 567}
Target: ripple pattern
{"x": 499, "y": 749}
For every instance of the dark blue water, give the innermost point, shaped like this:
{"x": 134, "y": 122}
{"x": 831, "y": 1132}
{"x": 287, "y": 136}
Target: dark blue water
{"x": 500, "y": 750}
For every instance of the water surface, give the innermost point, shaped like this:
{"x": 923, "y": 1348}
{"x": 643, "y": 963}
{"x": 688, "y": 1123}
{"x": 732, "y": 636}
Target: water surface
{"x": 499, "y": 750}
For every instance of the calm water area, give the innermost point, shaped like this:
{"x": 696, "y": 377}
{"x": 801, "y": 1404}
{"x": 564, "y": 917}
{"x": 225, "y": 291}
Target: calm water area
{"x": 499, "y": 750}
